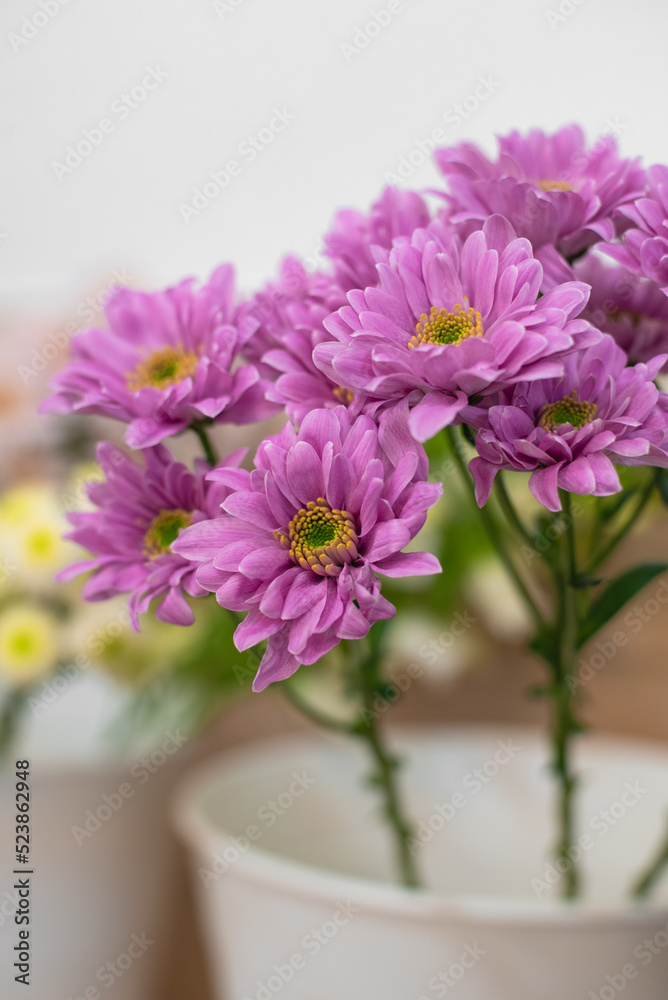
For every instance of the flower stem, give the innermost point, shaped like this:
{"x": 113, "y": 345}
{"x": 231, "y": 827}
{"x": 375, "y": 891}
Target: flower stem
{"x": 209, "y": 451}
{"x": 508, "y": 509}
{"x": 369, "y": 682}
{"x": 648, "y": 880}
{"x": 314, "y": 714}
{"x": 623, "y": 531}
{"x": 384, "y": 777}
{"x": 11, "y": 711}
{"x": 565, "y": 725}
{"x": 495, "y": 534}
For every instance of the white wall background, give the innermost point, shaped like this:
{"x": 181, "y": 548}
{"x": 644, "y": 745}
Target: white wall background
{"x": 228, "y": 65}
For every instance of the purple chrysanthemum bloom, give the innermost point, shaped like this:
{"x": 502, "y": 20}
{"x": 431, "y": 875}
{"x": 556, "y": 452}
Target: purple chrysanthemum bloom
{"x": 645, "y": 247}
{"x": 552, "y": 188}
{"x": 450, "y": 321}
{"x": 287, "y": 317}
{"x": 306, "y": 534}
{"x": 168, "y": 360}
{"x": 350, "y": 241}
{"x": 631, "y": 308}
{"x": 569, "y": 431}
{"x": 141, "y": 511}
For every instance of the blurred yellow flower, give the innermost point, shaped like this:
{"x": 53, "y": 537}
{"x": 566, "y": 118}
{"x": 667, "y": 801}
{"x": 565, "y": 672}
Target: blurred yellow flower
{"x": 32, "y": 523}
{"x": 28, "y": 642}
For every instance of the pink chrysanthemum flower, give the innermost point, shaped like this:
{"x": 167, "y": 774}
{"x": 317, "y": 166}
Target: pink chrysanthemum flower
{"x": 645, "y": 247}
{"x": 168, "y": 360}
{"x": 570, "y": 432}
{"x": 141, "y": 512}
{"x": 288, "y": 315}
{"x": 349, "y": 243}
{"x": 450, "y": 321}
{"x": 552, "y": 188}
{"x": 306, "y": 534}
{"x": 631, "y": 308}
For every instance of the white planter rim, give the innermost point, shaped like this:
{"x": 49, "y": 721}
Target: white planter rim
{"x": 306, "y": 881}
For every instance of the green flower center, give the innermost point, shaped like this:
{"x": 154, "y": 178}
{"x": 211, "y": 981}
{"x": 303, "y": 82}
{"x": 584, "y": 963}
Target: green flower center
{"x": 163, "y": 530}
{"x": 166, "y": 366}
{"x": 444, "y": 327}
{"x": 321, "y": 538}
{"x": 568, "y": 410}
{"x": 22, "y": 643}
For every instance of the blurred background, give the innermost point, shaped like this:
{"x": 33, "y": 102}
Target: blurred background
{"x": 143, "y": 143}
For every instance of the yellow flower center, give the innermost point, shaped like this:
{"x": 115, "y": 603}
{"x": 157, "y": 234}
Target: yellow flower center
{"x": 443, "y": 327}
{"x": 568, "y": 410}
{"x": 321, "y": 538}
{"x": 342, "y": 395}
{"x": 166, "y": 366}
{"x": 548, "y": 184}
{"x": 163, "y": 530}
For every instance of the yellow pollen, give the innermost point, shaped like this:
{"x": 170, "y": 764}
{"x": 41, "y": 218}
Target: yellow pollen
{"x": 343, "y": 395}
{"x": 321, "y": 538}
{"x": 163, "y": 530}
{"x": 166, "y": 366}
{"x": 444, "y": 327}
{"x": 553, "y": 185}
{"x": 568, "y": 410}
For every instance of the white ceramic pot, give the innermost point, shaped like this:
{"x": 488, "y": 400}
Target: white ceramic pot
{"x": 101, "y": 898}
{"x": 293, "y": 869}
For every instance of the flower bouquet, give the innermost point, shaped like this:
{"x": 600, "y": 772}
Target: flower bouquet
{"x": 509, "y": 329}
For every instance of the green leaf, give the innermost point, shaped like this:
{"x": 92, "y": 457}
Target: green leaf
{"x": 616, "y": 595}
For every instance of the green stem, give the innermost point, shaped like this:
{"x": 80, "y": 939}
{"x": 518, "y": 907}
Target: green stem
{"x": 623, "y": 531}
{"x": 369, "y": 682}
{"x": 10, "y": 715}
{"x": 314, "y": 714}
{"x": 508, "y": 509}
{"x": 386, "y": 764}
{"x": 648, "y": 880}
{"x": 205, "y": 440}
{"x": 495, "y": 535}
{"x": 565, "y": 723}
